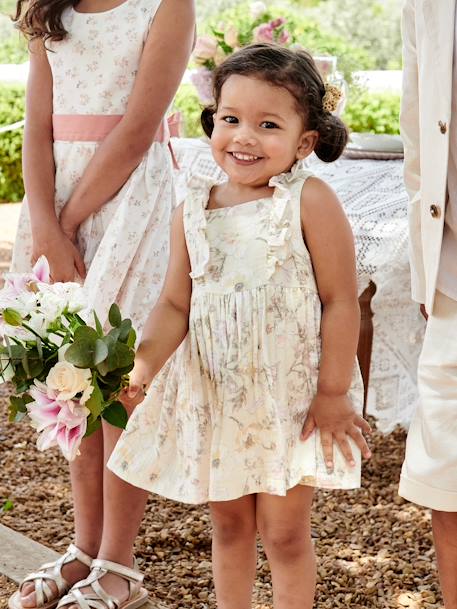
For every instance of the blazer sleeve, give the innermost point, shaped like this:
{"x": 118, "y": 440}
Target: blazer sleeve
{"x": 410, "y": 131}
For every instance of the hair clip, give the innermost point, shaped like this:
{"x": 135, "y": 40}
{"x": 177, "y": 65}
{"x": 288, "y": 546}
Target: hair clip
{"x": 331, "y": 98}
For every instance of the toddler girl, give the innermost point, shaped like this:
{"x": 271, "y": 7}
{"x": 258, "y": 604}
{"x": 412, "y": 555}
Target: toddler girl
{"x": 262, "y": 401}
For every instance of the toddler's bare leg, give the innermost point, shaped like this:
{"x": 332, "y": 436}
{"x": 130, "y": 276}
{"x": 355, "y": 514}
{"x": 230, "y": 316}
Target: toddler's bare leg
{"x": 234, "y": 551}
{"x": 284, "y": 526}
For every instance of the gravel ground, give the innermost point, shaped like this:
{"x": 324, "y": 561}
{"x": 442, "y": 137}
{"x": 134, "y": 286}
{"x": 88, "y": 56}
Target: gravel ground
{"x": 374, "y": 549}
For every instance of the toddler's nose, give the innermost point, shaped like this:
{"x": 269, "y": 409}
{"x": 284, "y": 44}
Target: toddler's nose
{"x": 245, "y": 137}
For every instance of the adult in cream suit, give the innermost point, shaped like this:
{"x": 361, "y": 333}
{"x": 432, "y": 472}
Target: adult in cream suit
{"x": 429, "y": 129}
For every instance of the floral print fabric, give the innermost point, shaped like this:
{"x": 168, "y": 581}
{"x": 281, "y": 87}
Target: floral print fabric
{"x": 223, "y": 418}
{"x": 124, "y": 244}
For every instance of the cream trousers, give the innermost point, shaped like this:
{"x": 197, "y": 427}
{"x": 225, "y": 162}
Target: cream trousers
{"x": 429, "y": 473}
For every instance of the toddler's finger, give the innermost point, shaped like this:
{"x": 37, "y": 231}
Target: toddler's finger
{"x": 308, "y": 428}
{"x": 358, "y": 438}
{"x": 133, "y": 390}
{"x": 327, "y": 449}
{"x": 363, "y": 424}
{"x": 345, "y": 448}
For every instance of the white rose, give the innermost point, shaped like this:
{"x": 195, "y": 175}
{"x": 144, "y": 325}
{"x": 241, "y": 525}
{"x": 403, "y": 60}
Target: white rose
{"x": 258, "y": 9}
{"x": 231, "y": 36}
{"x": 39, "y": 324}
{"x": 67, "y": 380}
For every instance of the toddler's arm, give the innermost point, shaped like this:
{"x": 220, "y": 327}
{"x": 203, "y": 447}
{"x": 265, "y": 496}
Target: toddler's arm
{"x": 168, "y": 321}
{"x": 330, "y": 242}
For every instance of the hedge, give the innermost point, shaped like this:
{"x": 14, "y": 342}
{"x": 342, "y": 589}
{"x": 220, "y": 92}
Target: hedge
{"x": 12, "y": 107}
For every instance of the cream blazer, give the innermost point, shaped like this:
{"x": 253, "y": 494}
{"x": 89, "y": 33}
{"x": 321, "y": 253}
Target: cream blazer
{"x": 428, "y": 46}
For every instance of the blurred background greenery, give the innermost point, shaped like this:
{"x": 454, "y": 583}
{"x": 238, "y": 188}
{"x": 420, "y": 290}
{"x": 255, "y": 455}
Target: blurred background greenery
{"x": 363, "y": 34}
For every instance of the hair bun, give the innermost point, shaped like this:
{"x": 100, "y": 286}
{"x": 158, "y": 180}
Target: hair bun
{"x": 207, "y": 120}
{"x": 333, "y": 137}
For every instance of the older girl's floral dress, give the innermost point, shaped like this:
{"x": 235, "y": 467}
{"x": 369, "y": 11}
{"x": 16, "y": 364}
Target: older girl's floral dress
{"x": 223, "y": 418}
{"x": 124, "y": 244}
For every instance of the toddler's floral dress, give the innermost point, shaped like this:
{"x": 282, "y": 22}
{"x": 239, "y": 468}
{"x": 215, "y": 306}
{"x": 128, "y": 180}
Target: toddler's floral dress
{"x": 125, "y": 244}
{"x": 223, "y": 418}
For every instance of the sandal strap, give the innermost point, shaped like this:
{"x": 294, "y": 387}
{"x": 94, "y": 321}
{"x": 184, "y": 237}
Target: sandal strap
{"x": 128, "y": 573}
{"x": 52, "y": 571}
{"x": 98, "y": 597}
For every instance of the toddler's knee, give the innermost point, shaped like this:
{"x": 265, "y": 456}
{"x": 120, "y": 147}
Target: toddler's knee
{"x": 230, "y": 529}
{"x": 285, "y": 544}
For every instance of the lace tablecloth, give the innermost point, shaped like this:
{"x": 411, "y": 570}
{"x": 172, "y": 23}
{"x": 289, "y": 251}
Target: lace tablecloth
{"x": 375, "y": 201}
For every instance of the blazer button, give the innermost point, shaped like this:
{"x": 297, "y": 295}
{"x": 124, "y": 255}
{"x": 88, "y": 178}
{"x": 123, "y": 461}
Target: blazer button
{"x": 443, "y": 127}
{"x": 435, "y": 211}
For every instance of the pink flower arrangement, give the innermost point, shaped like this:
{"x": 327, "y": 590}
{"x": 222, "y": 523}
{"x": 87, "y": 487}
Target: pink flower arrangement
{"x": 211, "y": 50}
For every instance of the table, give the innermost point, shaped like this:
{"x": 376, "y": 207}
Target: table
{"x": 375, "y": 202}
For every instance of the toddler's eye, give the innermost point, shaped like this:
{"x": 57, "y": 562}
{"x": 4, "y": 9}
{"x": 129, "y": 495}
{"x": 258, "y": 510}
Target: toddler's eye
{"x": 269, "y": 125}
{"x": 232, "y": 120}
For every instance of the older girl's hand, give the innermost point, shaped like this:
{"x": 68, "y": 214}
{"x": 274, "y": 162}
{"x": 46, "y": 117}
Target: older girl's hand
{"x": 65, "y": 260}
{"x": 337, "y": 421}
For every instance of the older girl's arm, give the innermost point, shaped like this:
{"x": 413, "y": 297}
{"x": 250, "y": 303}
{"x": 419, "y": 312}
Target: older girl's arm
{"x": 39, "y": 171}
{"x": 162, "y": 66}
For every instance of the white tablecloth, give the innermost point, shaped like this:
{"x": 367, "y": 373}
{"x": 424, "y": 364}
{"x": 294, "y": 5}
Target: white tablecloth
{"x": 375, "y": 202}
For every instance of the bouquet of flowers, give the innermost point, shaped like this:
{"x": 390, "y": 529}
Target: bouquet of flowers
{"x": 67, "y": 374}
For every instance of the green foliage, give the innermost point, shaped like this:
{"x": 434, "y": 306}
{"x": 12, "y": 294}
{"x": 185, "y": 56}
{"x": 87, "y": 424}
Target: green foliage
{"x": 187, "y": 102}
{"x": 7, "y": 506}
{"x": 305, "y": 30}
{"x": 373, "y": 113}
{"x": 370, "y": 25}
{"x": 12, "y": 109}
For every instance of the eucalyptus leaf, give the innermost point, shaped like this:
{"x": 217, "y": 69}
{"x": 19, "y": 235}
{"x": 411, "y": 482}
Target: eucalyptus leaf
{"x": 101, "y": 352}
{"x": 124, "y": 328}
{"x": 116, "y": 415}
{"x": 81, "y": 353}
{"x": 114, "y": 315}
{"x": 85, "y": 333}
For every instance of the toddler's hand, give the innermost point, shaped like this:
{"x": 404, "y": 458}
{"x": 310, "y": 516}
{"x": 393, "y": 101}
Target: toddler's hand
{"x": 336, "y": 419}
{"x": 135, "y": 393}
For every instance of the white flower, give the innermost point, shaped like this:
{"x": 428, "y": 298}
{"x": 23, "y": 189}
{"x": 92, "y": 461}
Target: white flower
{"x": 39, "y": 324}
{"x": 258, "y": 9}
{"x": 67, "y": 380}
{"x": 61, "y": 296}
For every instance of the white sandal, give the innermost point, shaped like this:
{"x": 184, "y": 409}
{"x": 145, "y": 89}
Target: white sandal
{"x": 52, "y": 571}
{"x": 98, "y": 598}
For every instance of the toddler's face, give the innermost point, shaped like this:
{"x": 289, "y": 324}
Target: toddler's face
{"x": 258, "y": 132}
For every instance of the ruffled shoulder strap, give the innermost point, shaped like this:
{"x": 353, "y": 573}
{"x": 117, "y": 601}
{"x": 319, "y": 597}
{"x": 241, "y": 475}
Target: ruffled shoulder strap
{"x": 286, "y": 198}
{"x": 194, "y": 217}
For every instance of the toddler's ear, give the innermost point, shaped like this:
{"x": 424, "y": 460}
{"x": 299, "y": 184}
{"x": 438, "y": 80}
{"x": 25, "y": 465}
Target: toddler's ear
{"x": 307, "y": 144}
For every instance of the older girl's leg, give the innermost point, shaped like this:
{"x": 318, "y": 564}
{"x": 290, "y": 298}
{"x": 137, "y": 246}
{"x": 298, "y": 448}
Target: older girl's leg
{"x": 234, "y": 551}
{"x": 284, "y": 526}
{"x": 86, "y": 473}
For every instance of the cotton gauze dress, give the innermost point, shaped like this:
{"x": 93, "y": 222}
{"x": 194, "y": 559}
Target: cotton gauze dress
{"x": 125, "y": 244}
{"x": 223, "y": 418}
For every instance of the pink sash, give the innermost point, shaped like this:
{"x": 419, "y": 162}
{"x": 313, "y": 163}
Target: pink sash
{"x": 95, "y": 127}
